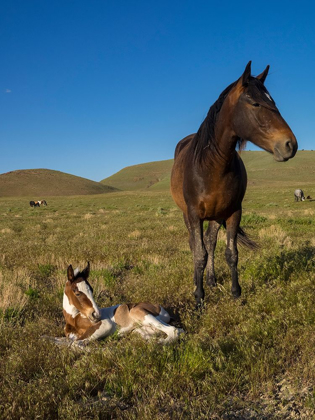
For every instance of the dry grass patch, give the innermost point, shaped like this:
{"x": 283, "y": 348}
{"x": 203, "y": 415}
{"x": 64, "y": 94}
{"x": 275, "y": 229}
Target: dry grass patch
{"x": 12, "y": 289}
{"x": 276, "y": 233}
{"x": 135, "y": 234}
{"x": 88, "y": 216}
{"x": 6, "y": 230}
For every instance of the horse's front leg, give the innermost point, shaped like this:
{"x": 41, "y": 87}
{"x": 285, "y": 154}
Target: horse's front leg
{"x": 210, "y": 240}
{"x": 231, "y": 252}
{"x": 200, "y": 255}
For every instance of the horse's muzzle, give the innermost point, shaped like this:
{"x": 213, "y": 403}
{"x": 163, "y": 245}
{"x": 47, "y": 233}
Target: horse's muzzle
{"x": 285, "y": 150}
{"x": 95, "y": 316}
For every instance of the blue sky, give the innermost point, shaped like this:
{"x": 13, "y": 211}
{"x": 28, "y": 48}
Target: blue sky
{"x": 90, "y": 87}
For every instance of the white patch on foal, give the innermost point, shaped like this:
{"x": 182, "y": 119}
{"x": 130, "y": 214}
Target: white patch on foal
{"x": 83, "y": 287}
{"x": 70, "y": 309}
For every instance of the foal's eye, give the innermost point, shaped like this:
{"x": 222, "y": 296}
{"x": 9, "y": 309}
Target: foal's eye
{"x": 77, "y": 293}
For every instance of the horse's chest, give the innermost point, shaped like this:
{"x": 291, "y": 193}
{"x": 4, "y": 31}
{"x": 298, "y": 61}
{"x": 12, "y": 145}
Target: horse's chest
{"x": 220, "y": 202}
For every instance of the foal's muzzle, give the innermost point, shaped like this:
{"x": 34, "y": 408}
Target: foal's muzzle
{"x": 285, "y": 150}
{"x": 95, "y": 316}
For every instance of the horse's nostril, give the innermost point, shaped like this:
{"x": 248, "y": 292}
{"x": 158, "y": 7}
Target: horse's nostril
{"x": 288, "y": 145}
{"x": 95, "y": 315}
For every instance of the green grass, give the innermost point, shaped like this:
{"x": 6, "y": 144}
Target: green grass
{"x": 248, "y": 357}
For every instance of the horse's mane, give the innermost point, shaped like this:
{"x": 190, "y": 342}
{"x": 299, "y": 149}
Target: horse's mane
{"x": 204, "y": 137}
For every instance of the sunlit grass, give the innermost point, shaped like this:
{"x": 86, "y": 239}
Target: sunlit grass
{"x": 255, "y": 353}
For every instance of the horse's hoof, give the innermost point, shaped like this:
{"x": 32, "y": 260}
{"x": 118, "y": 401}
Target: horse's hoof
{"x": 236, "y": 293}
{"x": 199, "y": 307}
{"x": 211, "y": 283}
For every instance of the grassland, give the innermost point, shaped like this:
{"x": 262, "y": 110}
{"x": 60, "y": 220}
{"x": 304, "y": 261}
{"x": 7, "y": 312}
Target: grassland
{"x": 251, "y": 358}
{"x": 37, "y": 184}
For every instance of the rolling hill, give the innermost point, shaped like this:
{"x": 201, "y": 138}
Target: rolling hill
{"x": 40, "y": 183}
{"x": 260, "y": 166}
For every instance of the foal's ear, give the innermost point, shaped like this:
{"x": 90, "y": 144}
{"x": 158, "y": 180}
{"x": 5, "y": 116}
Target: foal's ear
{"x": 247, "y": 73}
{"x": 70, "y": 273}
{"x": 85, "y": 273}
{"x": 262, "y": 76}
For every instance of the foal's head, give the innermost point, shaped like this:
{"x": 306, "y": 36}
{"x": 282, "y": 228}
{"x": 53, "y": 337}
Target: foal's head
{"x": 255, "y": 117}
{"x": 80, "y": 293}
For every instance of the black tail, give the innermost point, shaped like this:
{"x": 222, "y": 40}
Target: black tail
{"x": 244, "y": 239}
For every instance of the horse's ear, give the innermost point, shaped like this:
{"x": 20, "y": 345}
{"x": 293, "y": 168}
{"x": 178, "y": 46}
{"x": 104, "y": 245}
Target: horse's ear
{"x": 262, "y": 76}
{"x": 247, "y": 73}
{"x": 85, "y": 273}
{"x": 70, "y": 273}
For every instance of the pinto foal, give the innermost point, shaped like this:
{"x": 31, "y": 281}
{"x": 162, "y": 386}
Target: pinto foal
{"x": 86, "y": 321}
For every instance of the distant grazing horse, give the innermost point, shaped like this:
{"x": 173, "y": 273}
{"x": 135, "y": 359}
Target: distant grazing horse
{"x": 86, "y": 321}
{"x": 208, "y": 180}
{"x": 35, "y": 203}
{"x": 43, "y": 203}
{"x": 299, "y": 195}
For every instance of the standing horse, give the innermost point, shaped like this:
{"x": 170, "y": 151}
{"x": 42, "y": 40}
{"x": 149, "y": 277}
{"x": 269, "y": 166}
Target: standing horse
{"x": 208, "y": 180}
{"x": 35, "y": 203}
{"x": 86, "y": 321}
{"x": 299, "y": 195}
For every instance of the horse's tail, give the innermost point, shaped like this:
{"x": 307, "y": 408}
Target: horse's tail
{"x": 244, "y": 240}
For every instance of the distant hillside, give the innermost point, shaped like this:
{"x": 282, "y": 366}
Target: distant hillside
{"x": 261, "y": 168}
{"x": 141, "y": 177}
{"x": 40, "y": 183}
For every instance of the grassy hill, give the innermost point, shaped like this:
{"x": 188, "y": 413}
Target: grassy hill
{"x": 41, "y": 183}
{"x": 261, "y": 168}
{"x": 141, "y": 177}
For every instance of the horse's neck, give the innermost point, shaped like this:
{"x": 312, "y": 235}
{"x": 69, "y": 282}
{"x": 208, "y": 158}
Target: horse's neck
{"x": 70, "y": 309}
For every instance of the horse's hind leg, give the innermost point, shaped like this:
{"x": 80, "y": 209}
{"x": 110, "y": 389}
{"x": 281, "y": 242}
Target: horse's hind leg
{"x": 231, "y": 252}
{"x": 210, "y": 241}
{"x": 191, "y": 239}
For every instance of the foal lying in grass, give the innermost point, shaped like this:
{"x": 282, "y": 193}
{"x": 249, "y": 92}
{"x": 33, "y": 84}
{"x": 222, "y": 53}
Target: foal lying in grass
{"x": 86, "y": 321}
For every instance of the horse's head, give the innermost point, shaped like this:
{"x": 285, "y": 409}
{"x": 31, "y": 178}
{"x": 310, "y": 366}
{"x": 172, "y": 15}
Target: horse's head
{"x": 80, "y": 294}
{"x": 256, "y": 118}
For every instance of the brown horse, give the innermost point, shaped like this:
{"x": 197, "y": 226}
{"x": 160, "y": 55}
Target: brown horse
{"x": 209, "y": 179}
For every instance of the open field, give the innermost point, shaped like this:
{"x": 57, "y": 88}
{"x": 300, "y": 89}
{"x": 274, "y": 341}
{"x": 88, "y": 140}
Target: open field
{"x": 240, "y": 359}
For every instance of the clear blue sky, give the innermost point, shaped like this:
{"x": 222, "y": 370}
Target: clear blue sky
{"x": 90, "y": 87}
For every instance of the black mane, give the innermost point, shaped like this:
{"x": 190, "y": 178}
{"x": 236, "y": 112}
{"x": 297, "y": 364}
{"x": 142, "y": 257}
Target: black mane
{"x": 205, "y": 135}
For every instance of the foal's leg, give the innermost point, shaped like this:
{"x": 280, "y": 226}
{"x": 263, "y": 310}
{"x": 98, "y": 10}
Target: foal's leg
{"x": 200, "y": 255}
{"x": 210, "y": 240}
{"x": 172, "y": 333}
{"x": 231, "y": 252}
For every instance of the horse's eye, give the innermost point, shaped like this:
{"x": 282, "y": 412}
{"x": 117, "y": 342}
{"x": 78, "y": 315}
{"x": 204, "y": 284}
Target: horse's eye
{"x": 256, "y": 105}
{"x": 77, "y": 292}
